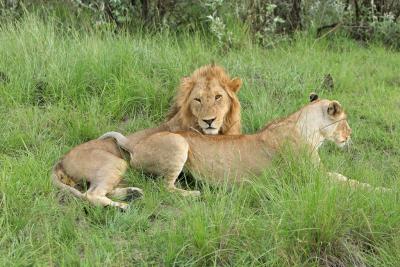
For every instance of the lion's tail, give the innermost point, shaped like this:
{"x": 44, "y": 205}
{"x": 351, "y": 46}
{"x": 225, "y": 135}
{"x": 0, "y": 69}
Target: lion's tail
{"x": 57, "y": 175}
{"x": 122, "y": 141}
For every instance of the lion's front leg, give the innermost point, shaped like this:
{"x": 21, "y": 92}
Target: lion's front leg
{"x": 315, "y": 159}
{"x": 353, "y": 183}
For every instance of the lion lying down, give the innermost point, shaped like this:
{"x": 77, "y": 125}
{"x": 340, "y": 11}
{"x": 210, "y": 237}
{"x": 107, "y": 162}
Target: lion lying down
{"x": 206, "y": 102}
{"x": 216, "y": 158}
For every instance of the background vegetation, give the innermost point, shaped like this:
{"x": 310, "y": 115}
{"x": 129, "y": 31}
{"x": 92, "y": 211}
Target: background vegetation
{"x": 225, "y": 20}
{"x": 66, "y": 77}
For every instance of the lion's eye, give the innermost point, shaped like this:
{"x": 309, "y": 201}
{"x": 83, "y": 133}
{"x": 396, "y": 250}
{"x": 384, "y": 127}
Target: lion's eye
{"x": 198, "y": 100}
{"x": 218, "y": 97}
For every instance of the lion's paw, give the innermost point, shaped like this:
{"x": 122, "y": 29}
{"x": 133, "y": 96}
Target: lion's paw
{"x": 134, "y": 193}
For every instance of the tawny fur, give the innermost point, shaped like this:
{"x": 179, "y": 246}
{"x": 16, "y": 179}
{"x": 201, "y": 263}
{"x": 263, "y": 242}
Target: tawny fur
{"x": 235, "y": 158}
{"x": 100, "y": 162}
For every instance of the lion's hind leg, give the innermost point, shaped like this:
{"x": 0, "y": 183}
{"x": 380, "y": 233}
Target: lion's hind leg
{"x": 105, "y": 179}
{"x": 97, "y": 196}
{"x": 163, "y": 154}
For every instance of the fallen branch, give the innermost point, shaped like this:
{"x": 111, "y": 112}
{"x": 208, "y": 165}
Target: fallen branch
{"x": 332, "y": 27}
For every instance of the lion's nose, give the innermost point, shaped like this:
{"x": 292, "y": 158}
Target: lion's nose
{"x": 209, "y": 122}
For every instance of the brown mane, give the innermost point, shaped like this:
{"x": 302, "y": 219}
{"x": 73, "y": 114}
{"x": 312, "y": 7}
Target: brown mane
{"x": 180, "y": 106}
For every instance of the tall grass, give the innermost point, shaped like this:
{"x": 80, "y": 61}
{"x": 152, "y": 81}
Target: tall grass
{"x": 65, "y": 87}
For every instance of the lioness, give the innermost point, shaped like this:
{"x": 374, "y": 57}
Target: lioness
{"x": 216, "y": 158}
{"x": 205, "y": 102}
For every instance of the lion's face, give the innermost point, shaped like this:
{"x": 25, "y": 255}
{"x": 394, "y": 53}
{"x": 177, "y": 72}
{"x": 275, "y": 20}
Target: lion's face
{"x": 209, "y": 103}
{"x": 337, "y": 128}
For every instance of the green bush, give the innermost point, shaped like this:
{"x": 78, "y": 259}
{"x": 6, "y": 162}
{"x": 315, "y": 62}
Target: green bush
{"x": 227, "y": 21}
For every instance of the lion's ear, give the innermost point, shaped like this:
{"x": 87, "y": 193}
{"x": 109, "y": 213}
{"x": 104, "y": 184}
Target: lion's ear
{"x": 334, "y": 108}
{"x": 235, "y": 84}
{"x": 313, "y": 97}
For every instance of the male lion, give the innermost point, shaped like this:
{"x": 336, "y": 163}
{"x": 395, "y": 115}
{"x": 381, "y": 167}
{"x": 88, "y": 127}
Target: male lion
{"x": 206, "y": 102}
{"x": 235, "y": 157}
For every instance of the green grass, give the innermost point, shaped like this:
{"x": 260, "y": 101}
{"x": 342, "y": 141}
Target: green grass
{"x": 67, "y": 87}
